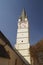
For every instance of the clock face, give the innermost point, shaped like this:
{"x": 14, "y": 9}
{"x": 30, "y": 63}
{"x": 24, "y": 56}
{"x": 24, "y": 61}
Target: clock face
{"x": 23, "y": 25}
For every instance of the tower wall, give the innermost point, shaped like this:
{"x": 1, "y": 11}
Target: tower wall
{"x": 23, "y": 40}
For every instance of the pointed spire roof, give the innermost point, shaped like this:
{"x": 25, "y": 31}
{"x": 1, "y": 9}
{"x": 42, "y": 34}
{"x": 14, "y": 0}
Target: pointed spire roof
{"x": 23, "y": 14}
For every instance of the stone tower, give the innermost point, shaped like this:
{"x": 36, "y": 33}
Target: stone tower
{"x": 23, "y": 38}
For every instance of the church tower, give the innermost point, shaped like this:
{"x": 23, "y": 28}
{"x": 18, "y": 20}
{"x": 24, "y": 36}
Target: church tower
{"x": 23, "y": 37}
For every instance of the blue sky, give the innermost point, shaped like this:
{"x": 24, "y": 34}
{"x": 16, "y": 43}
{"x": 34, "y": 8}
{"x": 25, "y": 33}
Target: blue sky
{"x": 10, "y": 11}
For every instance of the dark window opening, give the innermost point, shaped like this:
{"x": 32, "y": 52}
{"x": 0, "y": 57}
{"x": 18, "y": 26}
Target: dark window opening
{"x": 22, "y": 41}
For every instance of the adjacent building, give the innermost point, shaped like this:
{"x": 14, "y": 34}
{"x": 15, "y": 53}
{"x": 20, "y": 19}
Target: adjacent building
{"x": 8, "y": 55}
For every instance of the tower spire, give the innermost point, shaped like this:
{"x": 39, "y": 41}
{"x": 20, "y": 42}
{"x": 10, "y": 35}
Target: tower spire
{"x": 23, "y": 15}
